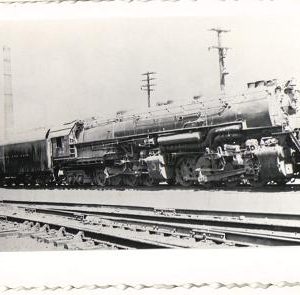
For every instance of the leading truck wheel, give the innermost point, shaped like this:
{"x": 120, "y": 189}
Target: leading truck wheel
{"x": 185, "y": 171}
{"x": 100, "y": 178}
{"x": 230, "y": 183}
{"x": 254, "y": 168}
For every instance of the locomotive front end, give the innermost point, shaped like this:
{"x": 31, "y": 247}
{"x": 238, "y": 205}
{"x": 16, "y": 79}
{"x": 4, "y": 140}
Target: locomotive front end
{"x": 266, "y": 148}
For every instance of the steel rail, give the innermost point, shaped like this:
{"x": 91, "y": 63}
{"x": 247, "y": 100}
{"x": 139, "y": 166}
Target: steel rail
{"x": 237, "y": 231}
{"x": 241, "y": 236}
{"x": 285, "y": 222}
{"x": 74, "y": 226}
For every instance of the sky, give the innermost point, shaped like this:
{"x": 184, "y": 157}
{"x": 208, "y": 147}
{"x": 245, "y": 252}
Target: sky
{"x": 65, "y": 69}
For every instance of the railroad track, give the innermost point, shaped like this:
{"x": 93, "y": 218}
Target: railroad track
{"x": 70, "y": 233}
{"x": 125, "y": 227}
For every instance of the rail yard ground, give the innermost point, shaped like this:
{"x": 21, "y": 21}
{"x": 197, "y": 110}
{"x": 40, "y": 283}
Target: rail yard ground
{"x": 270, "y": 199}
{"x": 163, "y": 217}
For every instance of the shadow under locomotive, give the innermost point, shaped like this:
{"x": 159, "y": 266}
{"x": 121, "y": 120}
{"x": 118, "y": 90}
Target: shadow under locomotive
{"x": 270, "y": 188}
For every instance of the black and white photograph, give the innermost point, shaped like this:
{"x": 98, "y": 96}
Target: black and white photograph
{"x": 129, "y": 131}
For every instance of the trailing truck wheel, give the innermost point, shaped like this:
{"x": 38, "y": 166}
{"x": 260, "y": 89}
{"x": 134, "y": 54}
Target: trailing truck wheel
{"x": 100, "y": 178}
{"x": 116, "y": 180}
{"x": 185, "y": 171}
{"x": 149, "y": 181}
{"x": 131, "y": 180}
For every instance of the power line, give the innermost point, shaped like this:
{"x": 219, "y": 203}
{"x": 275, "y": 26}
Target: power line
{"x": 222, "y": 51}
{"x": 148, "y": 86}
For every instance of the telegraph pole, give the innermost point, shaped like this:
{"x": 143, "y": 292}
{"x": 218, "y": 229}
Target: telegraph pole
{"x": 148, "y": 85}
{"x": 222, "y": 51}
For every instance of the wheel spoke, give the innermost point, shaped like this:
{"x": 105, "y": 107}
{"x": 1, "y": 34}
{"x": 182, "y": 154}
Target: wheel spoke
{"x": 185, "y": 171}
{"x": 100, "y": 178}
{"x": 254, "y": 167}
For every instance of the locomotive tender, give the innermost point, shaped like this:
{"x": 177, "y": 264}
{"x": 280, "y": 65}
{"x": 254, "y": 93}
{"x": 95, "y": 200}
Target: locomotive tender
{"x": 251, "y": 138}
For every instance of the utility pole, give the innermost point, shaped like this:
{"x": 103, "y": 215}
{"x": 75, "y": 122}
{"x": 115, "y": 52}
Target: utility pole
{"x": 222, "y": 51}
{"x": 148, "y": 85}
{"x": 8, "y": 96}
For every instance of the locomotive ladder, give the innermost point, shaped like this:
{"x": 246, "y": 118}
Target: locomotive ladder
{"x": 72, "y": 148}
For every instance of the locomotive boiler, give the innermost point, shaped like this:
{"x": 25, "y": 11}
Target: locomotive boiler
{"x": 226, "y": 140}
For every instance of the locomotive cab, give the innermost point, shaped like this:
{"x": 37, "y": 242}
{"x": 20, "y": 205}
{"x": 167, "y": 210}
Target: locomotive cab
{"x": 63, "y": 143}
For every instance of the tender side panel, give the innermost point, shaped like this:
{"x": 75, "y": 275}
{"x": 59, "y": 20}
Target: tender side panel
{"x": 29, "y": 157}
{"x": 2, "y": 163}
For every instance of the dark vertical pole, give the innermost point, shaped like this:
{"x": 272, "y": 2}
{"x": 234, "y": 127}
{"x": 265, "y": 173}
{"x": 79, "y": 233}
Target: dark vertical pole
{"x": 148, "y": 89}
{"x": 8, "y": 97}
{"x": 222, "y": 54}
{"x": 148, "y": 86}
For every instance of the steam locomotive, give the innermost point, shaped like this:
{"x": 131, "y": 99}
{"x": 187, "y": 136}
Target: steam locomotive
{"x": 249, "y": 138}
